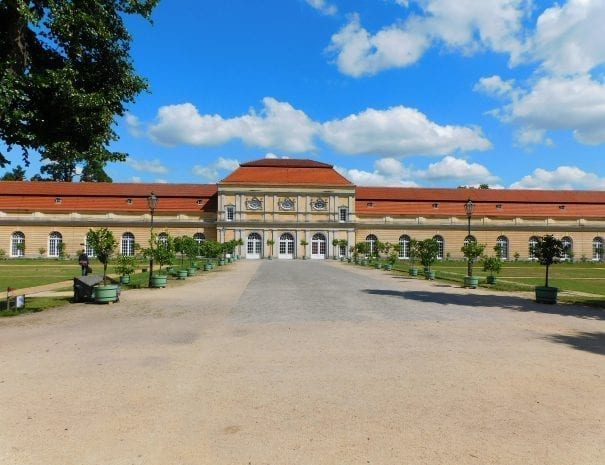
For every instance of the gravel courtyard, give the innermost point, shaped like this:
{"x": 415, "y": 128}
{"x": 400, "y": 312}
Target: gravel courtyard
{"x": 304, "y": 362}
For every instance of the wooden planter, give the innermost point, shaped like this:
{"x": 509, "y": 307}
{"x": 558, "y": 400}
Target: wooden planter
{"x": 491, "y": 280}
{"x": 413, "y": 271}
{"x": 181, "y": 274}
{"x": 106, "y": 293}
{"x": 191, "y": 271}
{"x": 546, "y": 295}
{"x": 159, "y": 280}
{"x": 471, "y": 281}
{"x": 125, "y": 279}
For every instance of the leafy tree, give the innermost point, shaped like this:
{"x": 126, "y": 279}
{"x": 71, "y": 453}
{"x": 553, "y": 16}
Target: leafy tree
{"x": 428, "y": 250}
{"x": 17, "y": 174}
{"x": 65, "y": 73}
{"x": 472, "y": 251}
{"x": 104, "y": 244}
{"x": 548, "y": 250}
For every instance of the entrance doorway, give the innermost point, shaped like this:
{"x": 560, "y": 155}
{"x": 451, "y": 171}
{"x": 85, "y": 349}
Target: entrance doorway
{"x": 254, "y": 246}
{"x": 318, "y": 246}
{"x": 286, "y": 246}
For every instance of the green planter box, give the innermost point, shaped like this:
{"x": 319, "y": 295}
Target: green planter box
{"x": 191, "y": 271}
{"x": 106, "y": 293}
{"x": 159, "y": 280}
{"x": 490, "y": 280}
{"x": 471, "y": 281}
{"x": 125, "y": 279}
{"x": 429, "y": 275}
{"x": 181, "y": 274}
{"x": 546, "y": 295}
{"x": 413, "y": 271}
{"x": 388, "y": 267}
{"x": 207, "y": 266}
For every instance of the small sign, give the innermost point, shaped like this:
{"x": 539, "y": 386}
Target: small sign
{"x": 20, "y": 301}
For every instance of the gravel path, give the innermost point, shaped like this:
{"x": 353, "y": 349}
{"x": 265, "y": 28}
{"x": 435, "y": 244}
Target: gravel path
{"x": 304, "y": 362}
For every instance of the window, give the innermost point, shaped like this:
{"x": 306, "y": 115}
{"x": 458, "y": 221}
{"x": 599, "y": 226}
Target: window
{"x": 230, "y": 213}
{"x": 440, "y": 244}
{"x": 567, "y": 248}
{"x": 254, "y": 244}
{"x": 88, "y": 250}
{"x": 286, "y": 244}
{"x": 163, "y": 238}
{"x": 469, "y": 239}
{"x": 342, "y": 250}
{"x": 502, "y": 242}
{"x": 127, "y": 246}
{"x": 54, "y": 244}
{"x": 129, "y": 201}
{"x": 533, "y": 241}
{"x": 199, "y": 237}
{"x": 435, "y": 205}
{"x": 371, "y": 241}
{"x": 58, "y": 200}
{"x": 343, "y": 214}
{"x": 18, "y": 244}
{"x": 404, "y": 247}
{"x": 597, "y": 249}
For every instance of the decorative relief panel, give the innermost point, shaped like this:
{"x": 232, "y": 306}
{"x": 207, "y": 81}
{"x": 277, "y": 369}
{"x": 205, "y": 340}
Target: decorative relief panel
{"x": 286, "y": 204}
{"x": 254, "y": 204}
{"x": 319, "y": 204}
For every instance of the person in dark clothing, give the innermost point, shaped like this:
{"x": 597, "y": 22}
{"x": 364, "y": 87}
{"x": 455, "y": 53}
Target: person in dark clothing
{"x": 83, "y": 259}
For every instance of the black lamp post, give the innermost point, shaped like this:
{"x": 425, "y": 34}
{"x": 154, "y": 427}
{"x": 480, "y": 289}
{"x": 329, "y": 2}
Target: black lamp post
{"x": 468, "y": 207}
{"x": 152, "y": 202}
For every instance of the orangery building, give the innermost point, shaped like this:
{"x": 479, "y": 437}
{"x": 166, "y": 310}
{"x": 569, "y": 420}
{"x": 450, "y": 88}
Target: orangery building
{"x": 290, "y": 208}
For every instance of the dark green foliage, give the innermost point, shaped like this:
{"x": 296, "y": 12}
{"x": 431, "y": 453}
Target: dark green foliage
{"x": 428, "y": 250}
{"x": 65, "y": 73}
{"x": 548, "y": 250}
{"x": 17, "y": 174}
{"x": 104, "y": 244}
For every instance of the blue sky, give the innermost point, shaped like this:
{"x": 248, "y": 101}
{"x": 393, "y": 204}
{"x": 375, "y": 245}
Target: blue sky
{"x": 392, "y": 92}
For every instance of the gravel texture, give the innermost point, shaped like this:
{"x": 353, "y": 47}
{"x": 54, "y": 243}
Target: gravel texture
{"x": 304, "y": 362}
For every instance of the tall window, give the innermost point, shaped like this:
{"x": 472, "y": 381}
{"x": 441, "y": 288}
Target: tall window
{"x": 404, "y": 247}
{"x": 18, "y": 244}
{"x": 127, "y": 246}
{"x": 163, "y": 238}
{"x": 502, "y": 242}
{"x": 469, "y": 239}
{"x": 54, "y": 244}
{"x": 567, "y": 248}
{"x": 286, "y": 244}
{"x": 253, "y": 245}
{"x": 343, "y": 214}
{"x": 533, "y": 241}
{"x": 199, "y": 238}
{"x": 441, "y": 246}
{"x": 88, "y": 249}
{"x": 371, "y": 240}
{"x": 597, "y": 249}
{"x": 229, "y": 213}
{"x": 342, "y": 250}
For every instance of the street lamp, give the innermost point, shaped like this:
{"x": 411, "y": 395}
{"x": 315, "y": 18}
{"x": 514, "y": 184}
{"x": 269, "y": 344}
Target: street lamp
{"x": 468, "y": 207}
{"x": 152, "y": 202}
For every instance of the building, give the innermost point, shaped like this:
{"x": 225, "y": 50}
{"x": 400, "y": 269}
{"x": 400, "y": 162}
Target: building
{"x": 304, "y": 207}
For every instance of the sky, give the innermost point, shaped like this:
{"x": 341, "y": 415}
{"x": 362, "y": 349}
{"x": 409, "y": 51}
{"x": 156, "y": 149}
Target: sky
{"x": 434, "y": 93}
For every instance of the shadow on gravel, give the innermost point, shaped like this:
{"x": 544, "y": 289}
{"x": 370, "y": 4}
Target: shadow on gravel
{"x": 590, "y": 342}
{"x": 507, "y": 302}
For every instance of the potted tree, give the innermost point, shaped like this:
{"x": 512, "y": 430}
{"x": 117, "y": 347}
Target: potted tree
{"x": 413, "y": 254}
{"x": 104, "y": 244}
{"x": 471, "y": 251}
{"x": 335, "y": 243}
{"x": 270, "y": 243}
{"x": 428, "y": 250}
{"x": 125, "y": 267}
{"x": 163, "y": 254}
{"x": 342, "y": 244}
{"x": 493, "y": 264}
{"x": 548, "y": 250}
{"x": 304, "y": 245}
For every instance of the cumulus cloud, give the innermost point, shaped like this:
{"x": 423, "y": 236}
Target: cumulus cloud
{"x": 575, "y": 104}
{"x": 466, "y": 25}
{"x": 495, "y": 86}
{"x": 399, "y": 131}
{"x": 392, "y": 172}
{"x": 133, "y": 124}
{"x": 278, "y": 125}
{"x": 568, "y": 38}
{"x": 323, "y": 6}
{"x": 563, "y": 177}
{"x": 149, "y": 166}
{"x": 214, "y": 171}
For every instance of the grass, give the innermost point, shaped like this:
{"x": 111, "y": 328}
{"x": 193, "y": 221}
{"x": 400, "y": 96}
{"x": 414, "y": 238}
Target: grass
{"x": 33, "y": 305}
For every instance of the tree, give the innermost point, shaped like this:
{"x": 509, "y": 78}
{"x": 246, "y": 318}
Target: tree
{"x": 548, "y": 250}
{"x": 472, "y": 251}
{"x": 428, "y": 251}
{"x": 17, "y": 174}
{"x": 103, "y": 243}
{"x": 65, "y": 74}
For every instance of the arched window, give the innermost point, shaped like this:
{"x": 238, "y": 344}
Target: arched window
{"x": 533, "y": 241}
{"x": 199, "y": 237}
{"x": 371, "y": 241}
{"x": 469, "y": 239}
{"x": 286, "y": 246}
{"x": 502, "y": 242}
{"x": 567, "y": 248}
{"x": 253, "y": 246}
{"x": 597, "y": 249}
{"x": 318, "y": 246}
{"x": 404, "y": 246}
{"x": 127, "y": 246}
{"x": 18, "y": 244}
{"x": 88, "y": 250}
{"x": 54, "y": 244}
{"x": 163, "y": 238}
{"x": 441, "y": 245}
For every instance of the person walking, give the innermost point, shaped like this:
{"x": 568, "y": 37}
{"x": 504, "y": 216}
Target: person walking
{"x": 83, "y": 259}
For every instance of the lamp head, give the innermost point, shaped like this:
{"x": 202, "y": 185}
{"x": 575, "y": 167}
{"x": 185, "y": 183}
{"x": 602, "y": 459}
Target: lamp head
{"x": 152, "y": 201}
{"x": 468, "y": 207}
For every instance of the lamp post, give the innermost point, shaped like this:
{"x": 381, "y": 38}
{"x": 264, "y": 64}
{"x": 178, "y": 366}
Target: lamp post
{"x": 468, "y": 207}
{"x": 152, "y": 202}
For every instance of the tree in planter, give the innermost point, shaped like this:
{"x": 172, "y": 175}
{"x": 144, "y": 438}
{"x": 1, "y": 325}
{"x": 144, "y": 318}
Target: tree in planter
{"x": 414, "y": 253}
{"x": 428, "y": 251}
{"x": 342, "y": 244}
{"x": 125, "y": 265}
{"x": 493, "y": 264}
{"x": 270, "y": 243}
{"x": 162, "y": 250}
{"x": 103, "y": 243}
{"x": 335, "y": 243}
{"x": 548, "y": 250}
{"x": 304, "y": 244}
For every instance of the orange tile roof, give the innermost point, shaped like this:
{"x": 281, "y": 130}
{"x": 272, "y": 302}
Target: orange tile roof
{"x": 286, "y": 176}
{"x": 111, "y": 197}
{"x": 488, "y": 202}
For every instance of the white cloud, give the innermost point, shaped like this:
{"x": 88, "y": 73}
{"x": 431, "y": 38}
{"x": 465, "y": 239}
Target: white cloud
{"x": 399, "y": 131}
{"x": 212, "y": 172}
{"x": 495, "y": 86}
{"x": 392, "y": 172}
{"x": 574, "y": 103}
{"x": 133, "y": 124}
{"x": 563, "y": 177}
{"x": 569, "y": 38}
{"x": 273, "y": 155}
{"x": 323, "y": 6}
{"x": 136, "y": 179}
{"x": 466, "y": 25}
{"x": 149, "y": 166}
{"x": 278, "y": 125}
